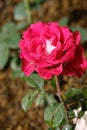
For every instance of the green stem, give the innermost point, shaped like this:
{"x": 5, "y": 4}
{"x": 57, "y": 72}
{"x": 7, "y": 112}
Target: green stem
{"x": 28, "y": 11}
{"x": 60, "y": 98}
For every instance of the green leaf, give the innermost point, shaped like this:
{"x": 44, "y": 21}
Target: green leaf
{"x": 28, "y": 100}
{"x": 4, "y": 55}
{"x": 48, "y": 114}
{"x": 58, "y": 115}
{"x": 40, "y": 100}
{"x": 16, "y": 69}
{"x": 17, "y": 73}
{"x": 21, "y": 25}
{"x": 53, "y": 83}
{"x": 9, "y": 36}
{"x": 64, "y": 21}
{"x": 83, "y": 32}
{"x": 63, "y": 122}
{"x": 9, "y": 26}
{"x": 35, "y": 81}
{"x": 80, "y": 114}
{"x": 74, "y": 102}
{"x": 57, "y": 128}
{"x": 84, "y": 105}
{"x": 68, "y": 127}
{"x": 71, "y": 92}
{"x": 71, "y": 114}
{"x": 84, "y": 92}
{"x": 50, "y": 98}
{"x": 19, "y": 12}
{"x": 54, "y": 128}
{"x": 54, "y": 114}
{"x": 38, "y": 1}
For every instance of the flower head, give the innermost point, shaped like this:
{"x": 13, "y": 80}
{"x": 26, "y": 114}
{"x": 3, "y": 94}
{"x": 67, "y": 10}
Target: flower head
{"x": 50, "y": 49}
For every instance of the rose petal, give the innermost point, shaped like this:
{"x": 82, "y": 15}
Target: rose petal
{"x": 24, "y": 50}
{"x": 77, "y": 37}
{"x": 27, "y": 67}
{"x": 48, "y": 72}
{"x": 77, "y": 66}
{"x": 33, "y": 31}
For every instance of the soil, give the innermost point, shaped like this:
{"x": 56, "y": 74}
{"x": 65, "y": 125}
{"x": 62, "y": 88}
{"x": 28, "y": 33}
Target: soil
{"x": 12, "y": 117}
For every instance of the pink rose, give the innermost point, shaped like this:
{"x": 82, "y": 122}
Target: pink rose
{"x": 50, "y": 49}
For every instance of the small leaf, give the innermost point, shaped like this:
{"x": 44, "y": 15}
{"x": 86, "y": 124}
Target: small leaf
{"x": 19, "y": 12}
{"x": 35, "y": 81}
{"x": 54, "y": 128}
{"x": 54, "y": 114}
{"x": 58, "y": 115}
{"x": 74, "y": 102}
{"x": 63, "y": 122}
{"x": 83, "y": 32}
{"x": 21, "y": 25}
{"x": 17, "y": 73}
{"x": 84, "y": 92}
{"x": 38, "y": 1}
{"x": 50, "y": 98}
{"x": 53, "y": 83}
{"x": 71, "y": 114}
{"x": 48, "y": 114}
{"x": 71, "y": 92}
{"x": 64, "y": 21}
{"x": 84, "y": 105}
{"x": 4, "y": 55}
{"x": 80, "y": 114}
{"x": 40, "y": 98}
{"x": 9, "y": 26}
{"x": 10, "y": 39}
{"x": 28, "y": 100}
{"x": 68, "y": 127}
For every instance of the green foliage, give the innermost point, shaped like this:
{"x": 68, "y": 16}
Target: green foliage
{"x": 15, "y": 66}
{"x": 58, "y": 115}
{"x": 50, "y": 99}
{"x": 38, "y": 1}
{"x": 68, "y": 127}
{"x": 45, "y": 98}
{"x": 64, "y": 21}
{"x": 72, "y": 92}
{"x": 76, "y": 98}
{"x": 48, "y": 114}
{"x": 84, "y": 92}
{"x": 21, "y": 25}
{"x": 54, "y": 114}
{"x": 8, "y": 26}
{"x": 53, "y": 83}
{"x": 54, "y": 128}
{"x": 19, "y": 12}
{"x": 4, "y": 55}
{"x": 17, "y": 73}
{"x": 40, "y": 100}
{"x": 82, "y": 30}
{"x": 9, "y": 37}
{"x": 80, "y": 114}
{"x": 35, "y": 81}
{"x": 28, "y": 99}
{"x": 71, "y": 114}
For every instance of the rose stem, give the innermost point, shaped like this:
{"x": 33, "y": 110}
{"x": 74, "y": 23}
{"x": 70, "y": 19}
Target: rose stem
{"x": 28, "y": 11}
{"x": 60, "y": 98}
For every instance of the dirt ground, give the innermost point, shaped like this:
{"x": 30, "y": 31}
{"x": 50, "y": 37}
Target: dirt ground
{"x": 12, "y": 117}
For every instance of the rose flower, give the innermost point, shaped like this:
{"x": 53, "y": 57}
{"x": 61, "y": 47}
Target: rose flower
{"x": 50, "y": 49}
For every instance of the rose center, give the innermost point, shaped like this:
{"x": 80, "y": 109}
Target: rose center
{"x": 49, "y": 46}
